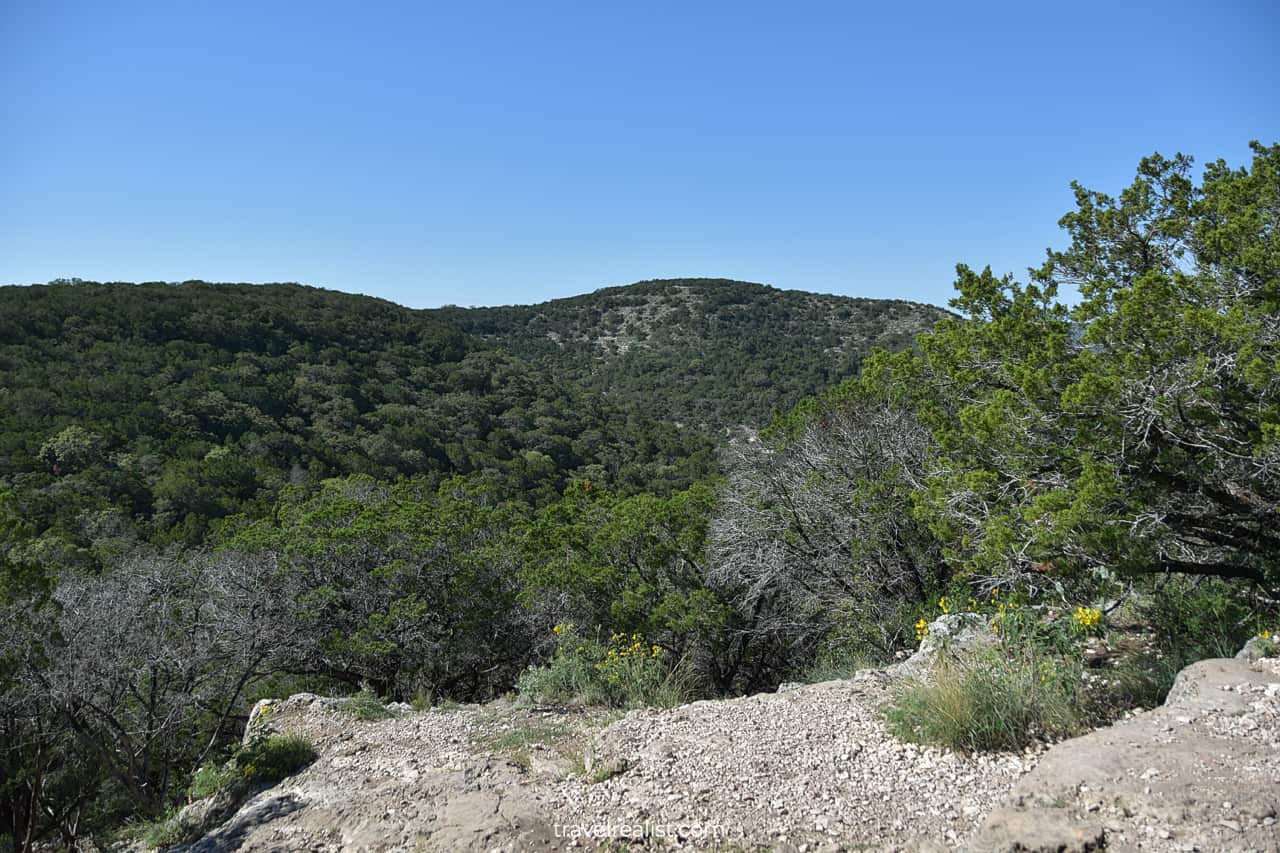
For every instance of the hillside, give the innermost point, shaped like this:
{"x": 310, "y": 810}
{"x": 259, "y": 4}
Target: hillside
{"x": 709, "y": 352}
{"x": 147, "y": 412}
{"x": 150, "y": 411}
{"x": 215, "y": 495}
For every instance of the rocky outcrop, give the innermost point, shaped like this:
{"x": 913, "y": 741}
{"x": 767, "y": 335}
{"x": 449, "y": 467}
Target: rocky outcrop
{"x": 1202, "y": 772}
{"x": 954, "y": 635}
{"x": 808, "y": 769}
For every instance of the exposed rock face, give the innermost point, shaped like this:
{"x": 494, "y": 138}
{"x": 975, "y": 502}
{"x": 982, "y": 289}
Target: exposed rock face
{"x": 1201, "y": 772}
{"x": 808, "y": 769}
{"x": 955, "y": 634}
{"x": 411, "y": 782}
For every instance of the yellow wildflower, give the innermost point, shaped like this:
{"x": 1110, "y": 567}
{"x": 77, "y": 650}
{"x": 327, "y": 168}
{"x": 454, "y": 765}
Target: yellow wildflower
{"x": 1087, "y": 617}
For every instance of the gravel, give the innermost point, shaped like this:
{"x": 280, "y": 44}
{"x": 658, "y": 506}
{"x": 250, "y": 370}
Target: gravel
{"x": 811, "y": 768}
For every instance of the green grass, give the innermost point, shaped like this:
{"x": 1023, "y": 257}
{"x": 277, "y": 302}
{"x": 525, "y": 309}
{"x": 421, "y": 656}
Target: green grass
{"x": 263, "y": 761}
{"x": 163, "y": 832}
{"x": 366, "y": 705}
{"x": 210, "y": 779}
{"x": 1189, "y": 620}
{"x": 836, "y": 664}
{"x": 519, "y": 742}
{"x": 270, "y": 759}
{"x": 624, "y": 673}
{"x": 525, "y": 737}
{"x": 990, "y": 702}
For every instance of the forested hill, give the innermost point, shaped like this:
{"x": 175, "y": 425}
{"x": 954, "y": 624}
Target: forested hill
{"x": 708, "y": 352}
{"x": 150, "y": 411}
{"x": 147, "y": 412}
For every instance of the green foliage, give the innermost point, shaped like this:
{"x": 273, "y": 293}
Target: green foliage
{"x": 267, "y": 760}
{"x": 708, "y": 352}
{"x": 1134, "y": 433}
{"x": 626, "y": 672}
{"x": 164, "y": 831}
{"x": 836, "y": 662}
{"x": 409, "y": 587}
{"x": 151, "y": 412}
{"x": 1199, "y": 618}
{"x": 365, "y": 705}
{"x": 1191, "y": 620}
{"x": 990, "y": 702}
{"x": 630, "y": 565}
{"x": 209, "y": 779}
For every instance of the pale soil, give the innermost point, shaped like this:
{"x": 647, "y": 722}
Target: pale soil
{"x": 808, "y": 769}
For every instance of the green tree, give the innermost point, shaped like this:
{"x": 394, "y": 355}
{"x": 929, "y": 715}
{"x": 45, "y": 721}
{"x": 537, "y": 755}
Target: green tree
{"x": 1137, "y": 432}
{"x": 71, "y": 450}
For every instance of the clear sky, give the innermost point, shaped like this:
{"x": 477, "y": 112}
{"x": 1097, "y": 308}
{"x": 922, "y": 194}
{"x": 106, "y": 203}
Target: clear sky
{"x": 489, "y": 153}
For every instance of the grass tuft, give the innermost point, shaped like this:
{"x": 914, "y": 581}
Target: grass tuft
{"x": 366, "y": 705}
{"x": 989, "y": 703}
{"x": 268, "y": 760}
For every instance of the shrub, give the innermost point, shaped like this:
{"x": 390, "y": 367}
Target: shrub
{"x": 365, "y": 705}
{"x": 269, "y": 759}
{"x": 835, "y": 662}
{"x": 989, "y": 702}
{"x": 624, "y": 673}
{"x": 164, "y": 832}
{"x": 1189, "y": 620}
{"x": 1197, "y": 619}
{"x": 209, "y": 780}
{"x": 1268, "y": 642}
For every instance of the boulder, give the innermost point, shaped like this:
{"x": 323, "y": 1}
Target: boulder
{"x": 951, "y": 635}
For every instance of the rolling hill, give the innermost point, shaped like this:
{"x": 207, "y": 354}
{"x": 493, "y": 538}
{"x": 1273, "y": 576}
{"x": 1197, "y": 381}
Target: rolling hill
{"x": 151, "y": 411}
{"x": 707, "y": 352}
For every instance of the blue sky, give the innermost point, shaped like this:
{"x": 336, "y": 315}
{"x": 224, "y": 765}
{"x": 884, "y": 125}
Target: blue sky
{"x": 490, "y": 153}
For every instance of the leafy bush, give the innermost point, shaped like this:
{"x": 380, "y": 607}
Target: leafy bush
{"x": 209, "y": 780}
{"x": 269, "y": 759}
{"x": 1190, "y": 620}
{"x": 1200, "y": 619}
{"x": 990, "y": 702}
{"x": 624, "y": 673}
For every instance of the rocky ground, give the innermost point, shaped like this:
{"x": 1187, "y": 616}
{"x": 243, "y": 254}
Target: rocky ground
{"x": 806, "y": 769}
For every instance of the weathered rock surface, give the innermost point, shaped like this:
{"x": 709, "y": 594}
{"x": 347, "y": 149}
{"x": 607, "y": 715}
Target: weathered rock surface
{"x": 954, "y": 635}
{"x": 1202, "y": 772}
{"x": 411, "y": 782}
{"x": 809, "y": 769}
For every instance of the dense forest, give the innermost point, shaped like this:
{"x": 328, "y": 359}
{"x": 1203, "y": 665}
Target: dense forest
{"x": 213, "y": 493}
{"x": 707, "y": 352}
{"x": 149, "y": 412}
